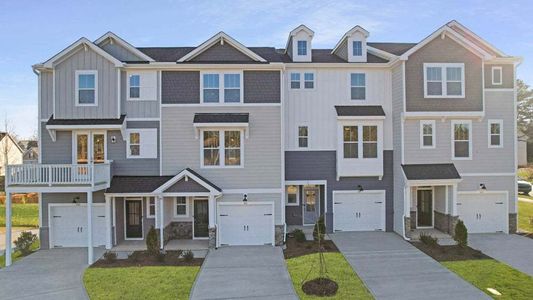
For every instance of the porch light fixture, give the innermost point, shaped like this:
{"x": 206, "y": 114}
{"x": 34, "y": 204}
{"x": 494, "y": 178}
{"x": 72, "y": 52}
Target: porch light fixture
{"x": 113, "y": 139}
{"x": 245, "y": 198}
{"x": 482, "y": 187}
{"x": 360, "y": 188}
{"x": 75, "y": 200}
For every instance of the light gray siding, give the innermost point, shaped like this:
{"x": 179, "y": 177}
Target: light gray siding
{"x": 186, "y": 186}
{"x": 137, "y": 108}
{"x": 46, "y": 95}
{"x": 493, "y": 183}
{"x": 58, "y": 152}
{"x": 65, "y": 87}
{"x": 397, "y": 109}
{"x": 270, "y": 197}
{"x": 507, "y": 76}
{"x": 119, "y": 52}
{"x": 262, "y": 86}
{"x": 261, "y": 153}
{"x": 179, "y": 87}
{"x": 222, "y": 52}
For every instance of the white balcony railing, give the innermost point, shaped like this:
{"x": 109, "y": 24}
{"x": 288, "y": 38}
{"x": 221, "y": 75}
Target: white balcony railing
{"x": 58, "y": 174}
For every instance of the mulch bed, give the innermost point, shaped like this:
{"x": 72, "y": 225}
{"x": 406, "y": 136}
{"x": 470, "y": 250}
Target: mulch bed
{"x": 526, "y": 234}
{"x": 295, "y": 249}
{"x": 322, "y": 287}
{"x": 450, "y": 253}
{"x": 142, "y": 259}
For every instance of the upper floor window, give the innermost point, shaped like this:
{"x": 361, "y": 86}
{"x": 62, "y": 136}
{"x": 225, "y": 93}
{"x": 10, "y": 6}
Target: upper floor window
{"x": 302, "y": 47}
{"x": 461, "y": 139}
{"x": 211, "y": 88}
{"x": 360, "y": 139}
{"x": 135, "y": 86}
{"x": 496, "y": 75}
{"x": 86, "y": 88}
{"x": 229, "y": 155}
{"x": 142, "y": 143}
{"x": 358, "y": 86}
{"x": 229, "y": 88}
{"x": 293, "y": 196}
{"x": 427, "y": 134}
{"x": 357, "y": 47}
{"x": 232, "y": 88}
{"x": 350, "y": 137}
{"x": 308, "y": 80}
{"x": 370, "y": 141}
{"x": 444, "y": 80}
{"x": 303, "y": 136}
{"x": 495, "y": 133}
{"x": 295, "y": 80}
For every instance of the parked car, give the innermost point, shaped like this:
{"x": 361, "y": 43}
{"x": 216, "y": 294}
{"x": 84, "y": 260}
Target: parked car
{"x": 524, "y": 187}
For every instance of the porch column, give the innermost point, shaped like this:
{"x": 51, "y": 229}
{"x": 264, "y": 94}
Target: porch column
{"x": 108, "y": 219}
{"x": 90, "y": 227}
{"x": 161, "y": 221}
{"x": 8, "y": 229}
{"x": 211, "y": 212}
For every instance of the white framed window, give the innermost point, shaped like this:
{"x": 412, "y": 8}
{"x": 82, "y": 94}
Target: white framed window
{"x": 360, "y": 141}
{"x": 150, "y": 207}
{"x": 86, "y": 87}
{"x": 302, "y": 48}
{"x": 444, "y": 80}
{"x": 221, "y": 87}
{"x": 495, "y": 133}
{"x": 350, "y": 141}
{"x": 141, "y": 143}
{"x": 358, "y": 86}
{"x": 303, "y": 136}
{"x": 141, "y": 85}
{"x": 222, "y": 148}
{"x": 211, "y": 88}
{"x": 370, "y": 141}
{"x": 181, "y": 207}
{"x": 497, "y": 75}
{"x": 357, "y": 48}
{"x": 427, "y": 134}
{"x": 309, "y": 80}
{"x": 292, "y": 195}
{"x": 295, "y": 80}
{"x": 232, "y": 88}
{"x": 134, "y": 91}
{"x": 461, "y": 139}
{"x": 304, "y": 80}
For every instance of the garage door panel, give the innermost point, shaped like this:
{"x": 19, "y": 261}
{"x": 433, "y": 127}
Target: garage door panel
{"x": 68, "y": 226}
{"x": 483, "y": 213}
{"x": 248, "y": 224}
{"x": 356, "y": 211}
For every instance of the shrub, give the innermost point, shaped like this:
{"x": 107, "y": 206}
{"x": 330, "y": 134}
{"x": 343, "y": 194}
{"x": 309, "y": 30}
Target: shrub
{"x": 428, "y": 240}
{"x": 152, "y": 242}
{"x": 188, "y": 256}
{"x": 24, "y": 242}
{"x": 526, "y": 174}
{"x": 110, "y": 257}
{"x": 461, "y": 234}
{"x": 320, "y": 229}
{"x": 299, "y": 235}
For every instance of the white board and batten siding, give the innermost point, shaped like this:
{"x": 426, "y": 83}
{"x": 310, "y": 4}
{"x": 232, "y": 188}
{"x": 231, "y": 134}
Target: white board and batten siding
{"x": 242, "y": 224}
{"x": 359, "y": 211}
{"x": 484, "y": 212}
{"x": 68, "y": 225}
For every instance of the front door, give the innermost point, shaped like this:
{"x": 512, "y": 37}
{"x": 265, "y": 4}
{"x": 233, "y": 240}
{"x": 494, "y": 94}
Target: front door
{"x": 134, "y": 219}
{"x": 424, "y": 208}
{"x": 311, "y": 205}
{"x": 201, "y": 218}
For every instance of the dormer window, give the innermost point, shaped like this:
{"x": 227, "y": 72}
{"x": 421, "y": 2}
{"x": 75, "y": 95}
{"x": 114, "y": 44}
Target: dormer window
{"x": 302, "y": 48}
{"x": 357, "y": 48}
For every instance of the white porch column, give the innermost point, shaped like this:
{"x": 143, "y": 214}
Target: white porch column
{"x": 454, "y": 200}
{"x": 90, "y": 227}
{"x": 161, "y": 221}
{"x": 212, "y": 211}
{"x": 8, "y": 229}
{"x": 108, "y": 219}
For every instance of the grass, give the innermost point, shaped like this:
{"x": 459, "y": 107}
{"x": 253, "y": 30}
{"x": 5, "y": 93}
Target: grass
{"x": 139, "y": 282}
{"x": 350, "y": 286}
{"x": 23, "y": 215}
{"x": 489, "y": 273}
{"x": 17, "y": 255}
{"x": 525, "y": 212}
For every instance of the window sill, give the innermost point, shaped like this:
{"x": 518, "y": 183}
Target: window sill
{"x": 78, "y": 104}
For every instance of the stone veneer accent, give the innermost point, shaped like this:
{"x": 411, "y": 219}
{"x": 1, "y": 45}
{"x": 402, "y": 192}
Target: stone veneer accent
{"x": 413, "y": 220}
{"x": 407, "y": 225}
{"x": 177, "y": 230}
{"x": 512, "y": 223}
{"x": 278, "y": 236}
{"x": 212, "y": 237}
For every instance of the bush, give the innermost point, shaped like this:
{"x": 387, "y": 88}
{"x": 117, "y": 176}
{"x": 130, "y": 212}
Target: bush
{"x": 24, "y": 242}
{"x": 298, "y": 235}
{"x": 461, "y": 234}
{"x": 428, "y": 240}
{"x": 319, "y": 227}
{"x": 152, "y": 242}
{"x": 526, "y": 174}
{"x": 188, "y": 256}
{"x": 110, "y": 257}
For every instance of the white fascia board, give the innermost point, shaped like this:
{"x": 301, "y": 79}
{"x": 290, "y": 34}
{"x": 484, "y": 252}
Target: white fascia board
{"x": 195, "y": 67}
{"x": 350, "y": 32}
{"x": 349, "y": 65}
{"x": 433, "y": 182}
{"x": 381, "y": 53}
{"x": 123, "y": 43}
{"x": 82, "y": 41}
{"x": 180, "y": 175}
{"x": 505, "y": 60}
{"x": 455, "y": 23}
{"x": 218, "y": 125}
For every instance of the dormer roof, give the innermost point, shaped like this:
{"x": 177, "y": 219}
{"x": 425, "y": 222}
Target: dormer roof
{"x": 113, "y": 38}
{"x": 297, "y": 30}
{"x": 350, "y": 32}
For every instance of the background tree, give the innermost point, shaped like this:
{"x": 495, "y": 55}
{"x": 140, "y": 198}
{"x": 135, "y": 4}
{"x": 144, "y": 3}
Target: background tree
{"x": 524, "y": 98}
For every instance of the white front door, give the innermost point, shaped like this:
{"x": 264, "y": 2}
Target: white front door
{"x": 483, "y": 212}
{"x": 245, "y": 224}
{"x": 359, "y": 211}
{"x": 68, "y": 225}
{"x": 90, "y": 147}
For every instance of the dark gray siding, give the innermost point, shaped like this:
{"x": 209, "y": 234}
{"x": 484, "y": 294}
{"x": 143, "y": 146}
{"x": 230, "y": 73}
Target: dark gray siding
{"x": 293, "y": 214}
{"x": 261, "y": 86}
{"x": 183, "y": 186}
{"x": 224, "y": 52}
{"x": 321, "y": 165}
{"x": 58, "y": 152}
{"x": 180, "y": 87}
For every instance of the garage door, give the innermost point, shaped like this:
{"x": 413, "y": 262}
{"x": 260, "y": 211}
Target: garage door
{"x": 245, "y": 224}
{"x": 483, "y": 212}
{"x": 358, "y": 211}
{"x": 68, "y": 225}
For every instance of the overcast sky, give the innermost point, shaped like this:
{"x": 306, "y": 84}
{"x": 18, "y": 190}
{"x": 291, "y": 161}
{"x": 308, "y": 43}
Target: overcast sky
{"x": 33, "y": 31}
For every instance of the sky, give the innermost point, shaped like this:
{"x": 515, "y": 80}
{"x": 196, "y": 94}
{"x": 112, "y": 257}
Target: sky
{"x": 33, "y": 31}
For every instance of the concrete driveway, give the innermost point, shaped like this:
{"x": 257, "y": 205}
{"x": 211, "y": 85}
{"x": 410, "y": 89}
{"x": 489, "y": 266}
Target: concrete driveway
{"x": 392, "y": 268}
{"x": 245, "y": 272}
{"x": 47, "y": 274}
{"x": 512, "y": 249}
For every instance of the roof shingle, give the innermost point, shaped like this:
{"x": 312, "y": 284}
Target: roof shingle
{"x": 430, "y": 171}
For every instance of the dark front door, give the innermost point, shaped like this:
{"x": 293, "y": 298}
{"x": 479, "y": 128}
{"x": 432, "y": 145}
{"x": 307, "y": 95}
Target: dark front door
{"x": 201, "y": 218}
{"x": 134, "y": 219}
{"x": 424, "y": 208}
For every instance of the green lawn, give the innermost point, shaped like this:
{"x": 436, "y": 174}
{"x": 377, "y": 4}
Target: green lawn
{"x": 23, "y": 215}
{"x": 525, "y": 212}
{"x": 489, "y": 273}
{"x": 16, "y": 255}
{"x": 350, "y": 286}
{"x": 139, "y": 282}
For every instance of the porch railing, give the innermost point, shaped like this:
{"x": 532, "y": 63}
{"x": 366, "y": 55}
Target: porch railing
{"x": 58, "y": 174}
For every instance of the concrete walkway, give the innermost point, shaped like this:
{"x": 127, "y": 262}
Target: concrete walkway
{"x": 512, "y": 249}
{"x": 245, "y": 272}
{"x": 392, "y": 268}
{"x": 47, "y": 274}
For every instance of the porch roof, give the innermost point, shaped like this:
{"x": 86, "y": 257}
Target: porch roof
{"x": 359, "y": 110}
{"x": 73, "y": 122}
{"x": 430, "y": 172}
{"x": 136, "y": 184}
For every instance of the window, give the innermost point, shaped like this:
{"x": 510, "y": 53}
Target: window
{"x": 295, "y": 80}
{"x": 309, "y": 80}
{"x": 495, "y": 133}
{"x": 357, "y": 48}
{"x": 427, "y": 134}
{"x": 303, "y": 136}
{"x": 293, "y": 196}
{"x": 135, "y": 86}
{"x": 358, "y": 86}
{"x": 181, "y": 207}
{"x": 496, "y": 75}
{"x": 444, "y": 80}
{"x": 302, "y": 47}
{"x": 135, "y": 144}
{"x": 232, "y": 88}
{"x": 370, "y": 141}
{"x": 86, "y": 89}
{"x": 360, "y": 141}
{"x": 231, "y": 152}
{"x": 150, "y": 203}
{"x": 229, "y": 88}
{"x": 462, "y": 142}
{"x": 141, "y": 143}
{"x": 350, "y": 137}
{"x": 211, "y": 88}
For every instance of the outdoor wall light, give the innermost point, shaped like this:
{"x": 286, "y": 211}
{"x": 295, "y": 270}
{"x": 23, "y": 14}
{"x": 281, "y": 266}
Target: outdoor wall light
{"x": 245, "y": 198}
{"x": 482, "y": 187}
{"x": 113, "y": 139}
{"x": 360, "y": 188}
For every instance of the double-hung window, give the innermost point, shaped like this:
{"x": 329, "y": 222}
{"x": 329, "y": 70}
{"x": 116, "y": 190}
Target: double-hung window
{"x": 141, "y": 143}
{"x": 295, "y": 80}
{"x": 350, "y": 137}
{"x": 358, "y": 86}
{"x": 180, "y": 207}
{"x": 135, "y": 144}
{"x": 357, "y": 48}
{"x": 495, "y": 133}
{"x": 222, "y": 148}
{"x": 427, "y": 134}
{"x": 225, "y": 85}
{"x": 302, "y": 47}
{"x": 232, "y": 88}
{"x": 360, "y": 139}
{"x": 150, "y": 204}
{"x": 309, "y": 80}
{"x": 370, "y": 141}
{"x": 462, "y": 140}
{"x": 86, "y": 88}
{"x": 444, "y": 80}
{"x": 303, "y": 137}
{"x": 211, "y": 88}
{"x": 293, "y": 197}
{"x": 135, "y": 86}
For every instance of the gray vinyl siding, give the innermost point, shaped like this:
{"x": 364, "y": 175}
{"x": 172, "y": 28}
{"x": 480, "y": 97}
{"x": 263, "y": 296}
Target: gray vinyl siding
{"x": 138, "y": 108}
{"x": 342, "y": 52}
{"x": 507, "y": 76}
{"x": 222, "y": 52}
{"x": 119, "y": 52}
{"x": 65, "y": 87}
{"x": 293, "y": 214}
{"x": 269, "y": 197}
{"x": 261, "y": 153}
{"x": 397, "y": 109}
{"x": 493, "y": 183}
{"x": 289, "y": 48}
{"x": 262, "y": 86}
{"x": 440, "y": 199}
{"x": 179, "y": 87}
{"x": 186, "y": 186}
{"x": 443, "y": 51}
{"x": 321, "y": 165}
{"x": 58, "y": 152}
{"x": 47, "y": 103}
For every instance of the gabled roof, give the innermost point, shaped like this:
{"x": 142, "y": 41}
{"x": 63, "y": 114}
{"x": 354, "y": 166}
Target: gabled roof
{"x": 221, "y": 37}
{"x": 4, "y": 134}
{"x": 350, "y": 32}
{"x": 467, "y": 33}
{"x": 295, "y": 31}
{"x": 115, "y": 38}
{"x": 189, "y": 173}
{"x": 85, "y": 43}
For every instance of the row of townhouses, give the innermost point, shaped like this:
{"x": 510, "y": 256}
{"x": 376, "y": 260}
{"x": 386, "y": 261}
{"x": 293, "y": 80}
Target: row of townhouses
{"x": 232, "y": 144}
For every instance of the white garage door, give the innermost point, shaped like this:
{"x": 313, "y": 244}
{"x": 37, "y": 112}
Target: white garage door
{"x": 483, "y": 212}
{"x": 68, "y": 225}
{"x": 245, "y": 224}
{"x": 358, "y": 211}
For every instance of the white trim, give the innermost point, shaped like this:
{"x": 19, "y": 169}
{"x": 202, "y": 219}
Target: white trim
{"x": 82, "y": 127}
{"x": 191, "y": 66}
{"x": 498, "y": 68}
{"x": 175, "y": 208}
{"x": 433, "y": 134}
{"x": 432, "y": 189}
{"x": 425, "y": 182}
{"x": 142, "y": 219}
{"x": 295, "y": 31}
{"x": 148, "y": 215}
{"x": 302, "y": 80}
{"x": 482, "y": 41}
{"x": 221, "y": 149}
{"x": 444, "y": 81}
{"x": 499, "y": 89}
{"x": 298, "y": 136}
{"x": 350, "y": 99}
{"x": 355, "y": 118}
{"x": 159, "y": 101}
{"x": 82, "y": 41}
{"x": 77, "y": 88}
{"x": 115, "y": 38}
{"x": 457, "y": 122}
{"x": 221, "y": 87}
{"x": 140, "y": 131}
{"x": 90, "y": 144}
{"x": 180, "y": 175}
{"x": 480, "y": 192}
{"x": 297, "y": 196}
{"x": 487, "y": 174}
{"x": 306, "y": 182}
{"x": 119, "y": 95}
{"x": 489, "y": 133}
{"x": 142, "y": 119}
{"x": 349, "y": 33}
{"x": 253, "y": 191}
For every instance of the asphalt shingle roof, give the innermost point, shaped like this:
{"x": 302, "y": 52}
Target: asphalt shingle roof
{"x": 53, "y": 121}
{"x": 359, "y": 110}
{"x": 221, "y": 118}
{"x": 430, "y": 171}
